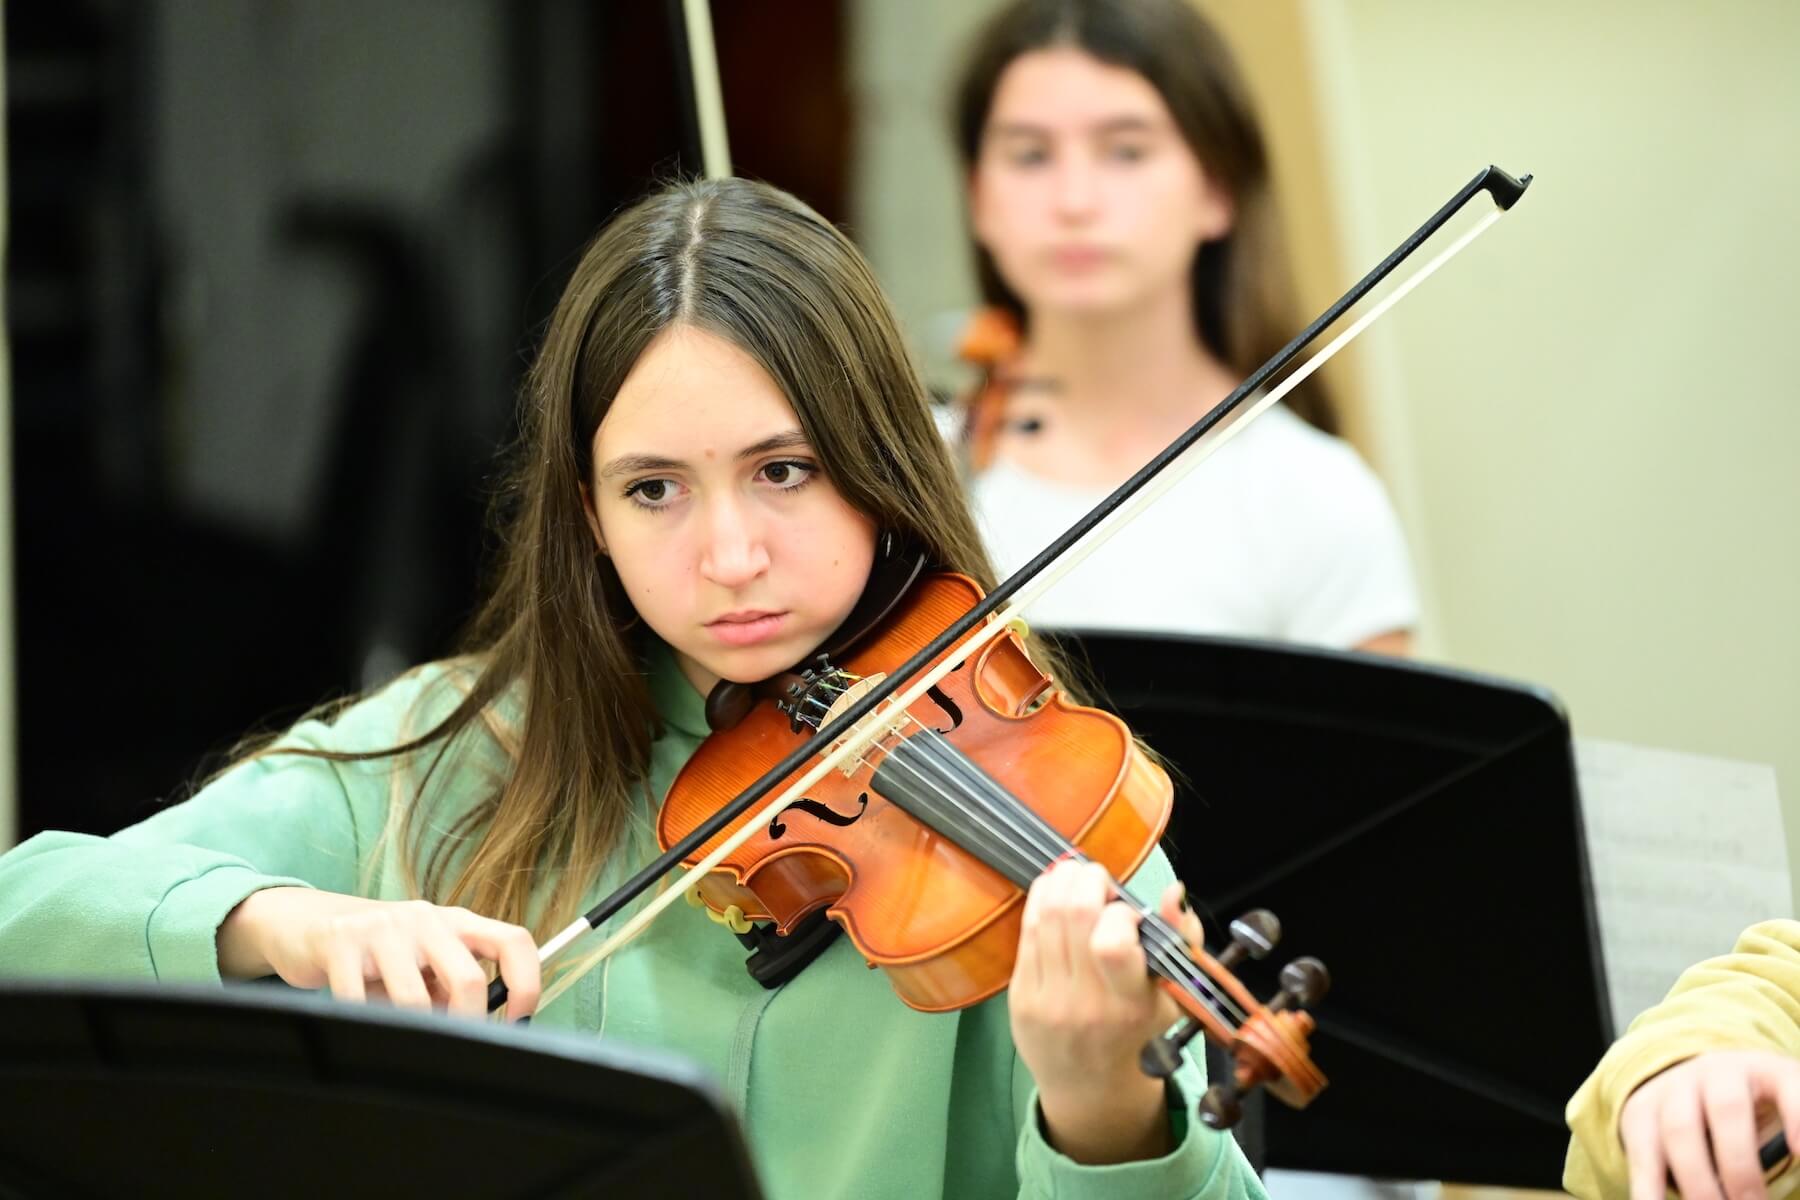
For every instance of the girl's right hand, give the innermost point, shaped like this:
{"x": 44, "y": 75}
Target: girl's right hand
{"x": 1698, "y": 1122}
{"x": 412, "y": 953}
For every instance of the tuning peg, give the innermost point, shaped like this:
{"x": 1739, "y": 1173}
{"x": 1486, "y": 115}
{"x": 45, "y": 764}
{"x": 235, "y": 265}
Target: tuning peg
{"x": 1161, "y": 1057}
{"x": 1253, "y": 935}
{"x": 1220, "y": 1107}
{"x": 1304, "y": 982}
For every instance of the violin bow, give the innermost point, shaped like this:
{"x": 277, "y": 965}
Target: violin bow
{"x": 1001, "y": 607}
{"x": 691, "y": 23}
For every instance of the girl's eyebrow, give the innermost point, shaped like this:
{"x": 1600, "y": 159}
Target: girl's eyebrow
{"x": 631, "y": 464}
{"x": 1119, "y": 124}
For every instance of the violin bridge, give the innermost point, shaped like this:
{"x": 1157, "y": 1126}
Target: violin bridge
{"x": 876, "y": 725}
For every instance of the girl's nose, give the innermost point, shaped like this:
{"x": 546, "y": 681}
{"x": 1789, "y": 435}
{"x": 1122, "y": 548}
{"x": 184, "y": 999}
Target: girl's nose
{"x": 1076, "y": 186}
{"x": 735, "y": 552}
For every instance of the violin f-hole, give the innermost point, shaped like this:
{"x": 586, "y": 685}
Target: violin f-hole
{"x": 822, "y": 811}
{"x": 942, "y": 699}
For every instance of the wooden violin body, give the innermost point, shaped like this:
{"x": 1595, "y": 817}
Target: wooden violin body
{"x": 943, "y": 924}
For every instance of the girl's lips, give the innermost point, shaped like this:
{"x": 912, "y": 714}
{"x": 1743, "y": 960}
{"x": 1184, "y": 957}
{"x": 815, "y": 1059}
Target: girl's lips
{"x": 747, "y": 631}
{"x": 1078, "y": 258}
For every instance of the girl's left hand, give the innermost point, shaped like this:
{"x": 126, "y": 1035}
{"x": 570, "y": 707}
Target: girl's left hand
{"x": 1083, "y": 1005}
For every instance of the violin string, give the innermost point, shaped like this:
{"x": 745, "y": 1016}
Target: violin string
{"x": 1165, "y": 947}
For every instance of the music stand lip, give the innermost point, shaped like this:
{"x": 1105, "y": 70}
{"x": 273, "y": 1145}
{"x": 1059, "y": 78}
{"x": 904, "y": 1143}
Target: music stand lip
{"x": 536, "y": 1040}
{"x": 276, "y": 1042}
{"x": 1442, "y": 671}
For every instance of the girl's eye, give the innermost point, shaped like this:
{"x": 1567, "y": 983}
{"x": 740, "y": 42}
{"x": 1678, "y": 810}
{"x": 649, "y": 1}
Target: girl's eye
{"x": 1127, "y": 152}
{"x": 650, "y": 493}
{"x": 1023, "y": 154}
{"x": 789, "y": 474}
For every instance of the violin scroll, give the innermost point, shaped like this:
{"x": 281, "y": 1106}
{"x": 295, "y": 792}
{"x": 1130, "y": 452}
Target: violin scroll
{"x": 1269, "y": 1043}
{"x": 1253, "y": 935}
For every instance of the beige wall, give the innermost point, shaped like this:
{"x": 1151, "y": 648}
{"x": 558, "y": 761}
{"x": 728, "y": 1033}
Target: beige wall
{"x": 906, "y": 189}
{"x": 1591, "y": 421}
{"x": 1273, "y": 45}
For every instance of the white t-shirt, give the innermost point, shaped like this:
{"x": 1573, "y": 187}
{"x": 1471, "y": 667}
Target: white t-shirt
{"x": 1284, "y": 533}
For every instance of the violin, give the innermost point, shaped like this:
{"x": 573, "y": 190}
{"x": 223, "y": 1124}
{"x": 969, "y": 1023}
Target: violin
{"x": 989, "y": 342}
{"x": 921, "y": 846}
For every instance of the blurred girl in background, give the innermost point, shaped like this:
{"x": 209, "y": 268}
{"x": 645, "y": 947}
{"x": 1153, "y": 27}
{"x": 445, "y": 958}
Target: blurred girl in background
{"x": 1126, "y": 239}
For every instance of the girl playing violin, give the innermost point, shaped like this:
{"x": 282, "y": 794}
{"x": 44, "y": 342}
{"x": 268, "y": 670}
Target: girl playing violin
{"x": 722, "y": 434}
{"x": 1119, "y": 196}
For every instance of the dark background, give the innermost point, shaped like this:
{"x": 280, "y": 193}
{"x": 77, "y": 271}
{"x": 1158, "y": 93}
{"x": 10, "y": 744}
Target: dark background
{"x": 275, "y": 273}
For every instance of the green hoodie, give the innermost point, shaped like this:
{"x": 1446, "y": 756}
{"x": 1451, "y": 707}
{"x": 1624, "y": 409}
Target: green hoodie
{"x": 919, "y": 1105}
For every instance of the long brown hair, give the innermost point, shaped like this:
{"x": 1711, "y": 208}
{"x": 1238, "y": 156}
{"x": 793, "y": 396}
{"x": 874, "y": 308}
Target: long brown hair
{"x": 556, "y": 641}
{"x": 1242, "y": 290}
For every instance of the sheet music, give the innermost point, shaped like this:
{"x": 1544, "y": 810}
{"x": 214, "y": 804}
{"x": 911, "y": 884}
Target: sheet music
{"x": 1686, "y": 853}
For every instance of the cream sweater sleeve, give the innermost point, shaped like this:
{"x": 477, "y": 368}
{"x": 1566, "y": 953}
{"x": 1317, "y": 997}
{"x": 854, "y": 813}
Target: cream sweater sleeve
{"x": 1748, "y": 999}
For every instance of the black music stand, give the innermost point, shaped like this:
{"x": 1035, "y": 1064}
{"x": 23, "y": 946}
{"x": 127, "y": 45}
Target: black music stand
{"x": 1418, "y": 829}
{"x": 139, "y": 1090}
